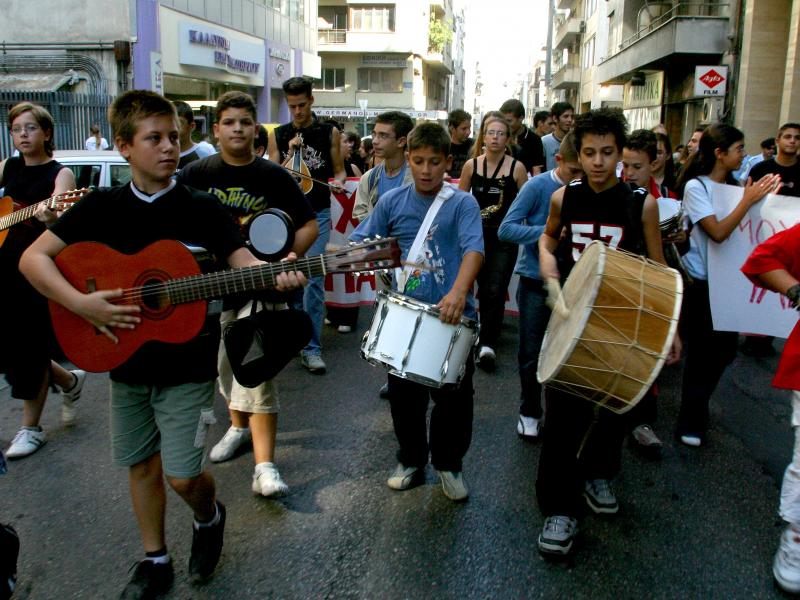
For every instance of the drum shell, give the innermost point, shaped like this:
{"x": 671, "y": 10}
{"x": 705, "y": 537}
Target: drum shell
{"x": 627, "y": 330}
{"x": 407, "y": 338}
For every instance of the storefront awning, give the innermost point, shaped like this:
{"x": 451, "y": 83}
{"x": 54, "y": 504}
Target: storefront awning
{"x": 34, "y": 82}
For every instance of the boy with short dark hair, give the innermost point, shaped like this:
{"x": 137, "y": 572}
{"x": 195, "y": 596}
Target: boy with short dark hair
{"x": 459, "y": 124}
{"x": 563, "y": 114}
{"x": 526, "y": 145}
{"x": 388, "y": 143}
{"x": 581, "y": 451}
{"x": 785, "y": 162}
{"x": 247, "y": 185}
{"x": 453, "y": 254}
{"x": 162, "y": 396}
{"x": 190, "y": 151}
{"x": 523, "y": 224}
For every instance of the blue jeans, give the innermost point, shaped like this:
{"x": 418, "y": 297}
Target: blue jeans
{"x": 314, "y": 293}
{"x": 533, "y": 318}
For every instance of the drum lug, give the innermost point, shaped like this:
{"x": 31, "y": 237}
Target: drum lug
{"x": 384, "y": 312}
{"x": 407, "y": 353}
{"x": 453, "y": 338}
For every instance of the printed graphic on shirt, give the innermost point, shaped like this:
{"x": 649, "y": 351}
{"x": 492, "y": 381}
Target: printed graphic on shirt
{"x": 240, "y": 200}
{"x": 431, "y": 257}
{"x": 313, "y": 158}
{"x": 584, "y": 234}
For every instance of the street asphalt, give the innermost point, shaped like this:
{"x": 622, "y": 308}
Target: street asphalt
{"x": 700, "y": 523}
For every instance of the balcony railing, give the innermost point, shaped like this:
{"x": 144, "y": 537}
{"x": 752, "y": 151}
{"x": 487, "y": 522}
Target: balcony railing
{"x": 673, "y": 11}
{"x": 332, "y": 36}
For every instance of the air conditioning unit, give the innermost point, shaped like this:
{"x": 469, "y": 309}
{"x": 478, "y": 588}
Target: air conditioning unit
{"x": 713, "y": 110}
{"x": 582, "y": 27}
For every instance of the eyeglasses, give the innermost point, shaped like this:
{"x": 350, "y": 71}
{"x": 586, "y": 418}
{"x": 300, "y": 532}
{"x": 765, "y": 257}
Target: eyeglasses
{"x": 493, "y": 133}
{"x": 28, "y": 127}
{"x": 382, "y": 136}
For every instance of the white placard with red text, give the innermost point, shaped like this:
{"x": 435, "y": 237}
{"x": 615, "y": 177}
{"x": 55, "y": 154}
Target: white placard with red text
{"x": 737, "y": 304}
{"x": 344, "y": 290}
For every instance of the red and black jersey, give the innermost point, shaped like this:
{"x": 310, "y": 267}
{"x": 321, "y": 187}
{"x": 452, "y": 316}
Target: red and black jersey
{"x": 613, "y": 216}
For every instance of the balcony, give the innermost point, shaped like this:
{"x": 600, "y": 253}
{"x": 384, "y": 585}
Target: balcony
{"x": 567, "y": 32}
{"x": 567, "y": 76}
{"x": 687, "y": 32}
{"x": 331, "y": 36}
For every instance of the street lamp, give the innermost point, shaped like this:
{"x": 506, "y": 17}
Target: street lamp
{"x": 363, "y": 103}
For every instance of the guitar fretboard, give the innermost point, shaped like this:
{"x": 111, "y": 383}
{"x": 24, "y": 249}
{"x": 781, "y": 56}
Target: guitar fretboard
{"x": 23, "y": 214}
{"x": 233, "y": 281}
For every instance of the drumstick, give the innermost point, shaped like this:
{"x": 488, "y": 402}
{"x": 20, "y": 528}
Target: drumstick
{"x": 555, "y": 299}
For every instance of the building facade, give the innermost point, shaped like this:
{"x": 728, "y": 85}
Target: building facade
{"x": 186, "y": 49}
{"x": 387, "y": 56}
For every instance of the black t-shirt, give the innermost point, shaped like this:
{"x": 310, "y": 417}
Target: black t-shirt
{"x": 790, "y": 176}
{"x": 529, "y": 149}
{"x": 247, "y": 190}
{"x": 118, "y": 218}
{"x": 613, "y": 216}
{"x": 493, "y": 189}
{"x": 317, "y": 139}
{"x": 460, "y": 154}
{"x": 187, "y": 158}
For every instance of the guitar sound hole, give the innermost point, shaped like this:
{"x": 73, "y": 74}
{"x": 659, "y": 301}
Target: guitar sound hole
{"x": 153, "y": 299}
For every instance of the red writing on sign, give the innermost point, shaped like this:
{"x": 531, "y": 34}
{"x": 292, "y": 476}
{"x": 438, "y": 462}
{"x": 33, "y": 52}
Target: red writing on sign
{"x": 758, "y": 294}
{"x": 712, "y": 78}
{"x": 763, "y": 229}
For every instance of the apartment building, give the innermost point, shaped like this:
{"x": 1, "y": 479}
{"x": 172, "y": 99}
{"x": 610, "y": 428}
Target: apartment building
{"x": 386, "y": 56}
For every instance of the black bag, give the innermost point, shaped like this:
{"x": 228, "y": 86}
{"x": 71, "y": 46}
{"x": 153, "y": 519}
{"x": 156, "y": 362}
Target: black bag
{"x": 9, "y": 551}
{"x": 260, "y": 345}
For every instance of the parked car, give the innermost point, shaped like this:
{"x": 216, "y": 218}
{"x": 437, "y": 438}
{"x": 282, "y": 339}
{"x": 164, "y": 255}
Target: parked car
{"x": 101, "y": 168}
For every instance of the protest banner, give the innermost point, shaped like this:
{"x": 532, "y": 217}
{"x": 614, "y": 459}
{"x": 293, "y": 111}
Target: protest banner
{"x": 737, "y": 304}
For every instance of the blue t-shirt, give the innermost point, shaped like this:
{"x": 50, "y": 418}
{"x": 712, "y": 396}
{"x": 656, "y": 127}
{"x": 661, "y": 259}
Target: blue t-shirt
{"x": 386, "y": 183}
{"x": 525, "y": 220}
{"x": 455, "y": 231}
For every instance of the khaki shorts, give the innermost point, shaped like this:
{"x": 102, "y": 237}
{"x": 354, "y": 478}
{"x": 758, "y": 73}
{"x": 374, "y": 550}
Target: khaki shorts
{"x": 262, "y": 399}
{"x": 173, "y": 420}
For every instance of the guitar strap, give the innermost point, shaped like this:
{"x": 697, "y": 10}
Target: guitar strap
{"x": 414, "y": 254}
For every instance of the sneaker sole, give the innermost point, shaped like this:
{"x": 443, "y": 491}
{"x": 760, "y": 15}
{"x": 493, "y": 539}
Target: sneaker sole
{"x": 786, "y": 586}
{"x": 599, "y": 509}
{"x": 554, "y": 549}
{"x": 17, "y": 456}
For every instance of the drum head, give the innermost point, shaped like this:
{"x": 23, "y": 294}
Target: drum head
{"x": 270, "y": 234}
{"x": 579, "y": 293}
{"x": 667, "y": 208}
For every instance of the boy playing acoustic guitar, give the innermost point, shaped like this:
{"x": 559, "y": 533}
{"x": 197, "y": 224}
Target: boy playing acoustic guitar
{"x": 162, "y": 396}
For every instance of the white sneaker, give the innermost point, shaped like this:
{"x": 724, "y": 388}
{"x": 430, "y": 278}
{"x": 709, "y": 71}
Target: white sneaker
{"x": 233, "y": 439}
{"x": 314, "y": 363}
{"x": 528, "y": 427}
{"x": 344, "y": 329}
{"x": 69, "y": 397}
{"x": 786, "y": 567}
{"x": 26, "y": 442}
{"x": 267, "y": 481}
{"x": 487, "y": 359}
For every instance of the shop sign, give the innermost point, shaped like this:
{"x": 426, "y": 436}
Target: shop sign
{"x": 280, "y": 53}
{"x": 649, "y": 94}
{"x": 384, "y": 60}
{"x": 156, "y": 73}
{"x": 431, "y": 115}
{"x": 710, "y": 81}
{"x": 280, "y": 64}
{"x": 212, "y": 48}
{"x": 643, "y": 118}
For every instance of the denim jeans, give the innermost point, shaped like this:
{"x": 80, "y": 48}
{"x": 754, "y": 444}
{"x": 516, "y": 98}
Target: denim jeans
{"x": 314, "y": 293}
{"x": 533, "y": 318}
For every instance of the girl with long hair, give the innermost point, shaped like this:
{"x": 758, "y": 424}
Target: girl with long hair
{"x": 494, "y": 193}
{"x": 664, "y": 166}
{"x": 709, "y": 352}
{"x": 29, "y": 342}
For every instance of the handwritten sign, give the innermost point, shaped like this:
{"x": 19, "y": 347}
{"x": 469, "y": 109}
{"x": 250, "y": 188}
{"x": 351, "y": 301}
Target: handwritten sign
{"x": 737, "y": 304}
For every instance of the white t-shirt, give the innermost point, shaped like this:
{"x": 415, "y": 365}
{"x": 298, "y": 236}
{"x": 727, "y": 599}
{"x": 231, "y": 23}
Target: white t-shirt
{"x": 91, "y": 144}
{"x": 697, "y": 205}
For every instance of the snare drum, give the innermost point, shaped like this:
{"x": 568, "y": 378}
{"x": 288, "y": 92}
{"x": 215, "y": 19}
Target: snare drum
{"x": 622, "y": 314}
{"x": 408, "y": 339}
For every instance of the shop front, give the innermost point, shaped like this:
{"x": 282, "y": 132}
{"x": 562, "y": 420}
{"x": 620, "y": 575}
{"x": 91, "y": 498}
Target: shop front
{"x": 200, "y": 61}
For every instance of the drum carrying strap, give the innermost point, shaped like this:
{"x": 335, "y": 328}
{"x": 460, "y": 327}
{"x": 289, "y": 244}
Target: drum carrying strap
{"x": 401, "y": 276}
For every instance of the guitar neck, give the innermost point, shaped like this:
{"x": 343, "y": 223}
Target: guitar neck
{"x": 235, "y": 281}
{"x": 23, "y": 214}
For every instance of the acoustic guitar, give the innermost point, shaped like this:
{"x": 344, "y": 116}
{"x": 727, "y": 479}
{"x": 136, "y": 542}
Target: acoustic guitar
{"x": 165, "y": 281}
{"x": 10, "y": 217}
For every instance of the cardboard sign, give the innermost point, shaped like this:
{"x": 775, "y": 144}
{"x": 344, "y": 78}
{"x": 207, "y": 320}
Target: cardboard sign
{"x": 737, "y": 304}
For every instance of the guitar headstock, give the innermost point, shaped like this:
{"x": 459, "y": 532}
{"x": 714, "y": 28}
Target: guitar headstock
{"x": 67, "y": 199}
{"x": 369, "y": 255}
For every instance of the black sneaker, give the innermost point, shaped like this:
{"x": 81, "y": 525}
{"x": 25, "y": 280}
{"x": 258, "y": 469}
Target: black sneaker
{"x": 150, "y": 580}
{"x": 206, "y": 548}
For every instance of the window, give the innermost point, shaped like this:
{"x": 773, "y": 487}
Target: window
{"x": 380, "y": 80}
{"x": 332, "y": 80}
{"x": 86, "y": 175}
{"x": 120, "y": 174}
{"x": 379, "y": 17}
{"x": 591, "y": 6}
{"x": 587, "y": 56}
{"x": 332, "y": 17}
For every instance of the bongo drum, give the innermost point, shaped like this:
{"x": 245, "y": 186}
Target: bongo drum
{"x": 610, "y": 344}
{"x": 270, "y": 234}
